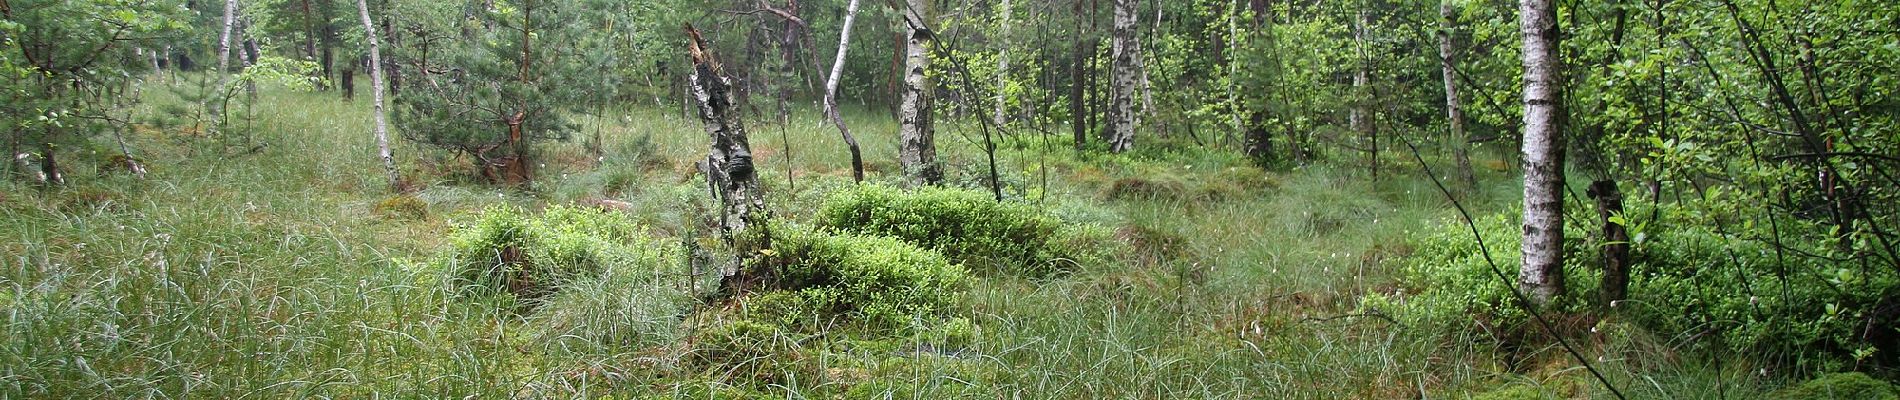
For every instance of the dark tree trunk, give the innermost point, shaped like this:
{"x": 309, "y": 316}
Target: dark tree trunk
{"x": 1078, "y": 95}
{"x": 1259, "y": 145}
{"x": 349, "y": 83}
{"x": 896, "y": 76}
{"x": 49, "y": 167}
{"x": 1616, "y": 241}
{"x": 327, "y": 57}
{"x": 393, "y": 70}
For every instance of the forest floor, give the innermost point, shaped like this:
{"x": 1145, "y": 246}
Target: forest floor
{"x": 267, "y": 265}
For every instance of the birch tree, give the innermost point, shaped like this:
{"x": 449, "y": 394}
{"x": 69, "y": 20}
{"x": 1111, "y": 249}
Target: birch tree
{"x": 1002, "y": 68}
{"x": 729, "y": 166}
{"x": 224, "y": 39}
{"x": 376, "y": 94}
{"x": 1541, "y": 274}
{"x": 831, "y": 92}
{"x": 917, "y": 148}
{"x": 1361, "y": 75}
{"x": 1126, "y": 53}
{"x": 1454, "y": 111}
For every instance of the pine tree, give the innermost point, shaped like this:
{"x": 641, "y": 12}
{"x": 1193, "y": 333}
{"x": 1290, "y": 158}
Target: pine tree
{"x": 494, "y": 87}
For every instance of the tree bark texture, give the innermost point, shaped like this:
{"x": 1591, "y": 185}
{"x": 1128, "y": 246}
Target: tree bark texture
{"x": 1126, "y": 55}
{"x": 1542, "y": 274}
{"x": 917, "y": 147}
{"x": 224, "y": 39}
{"x": 729, "y": 166}
{"x": 831, "y": 93}
{"x": 376, "y": 95}
{"x": 1454, "y": 110}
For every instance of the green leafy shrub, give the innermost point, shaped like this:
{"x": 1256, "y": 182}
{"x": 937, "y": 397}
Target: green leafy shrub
{"x": 1851, "y": 385}
{"x": 954, "y": 334}
{"x": 1451, "y": 284}
{"x": 506, "y": 251}
{"x": 966, "y": 226}
{"x": 1690, "y": 278}
{"x": 881, "y": 281}
{"x": 808, "y": 309}
{"x": 1687, "y": 280}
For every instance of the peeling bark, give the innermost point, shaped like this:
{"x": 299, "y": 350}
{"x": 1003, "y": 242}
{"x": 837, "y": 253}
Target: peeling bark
{"x": 917, "y": 147}
{"x": 1126, "y": 55}
{"x": 729, "y": 166}
{"x": 1542, "y": 274}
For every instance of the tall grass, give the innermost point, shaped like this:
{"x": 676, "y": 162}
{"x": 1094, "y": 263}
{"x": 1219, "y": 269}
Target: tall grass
{"x": 233, "y": 273}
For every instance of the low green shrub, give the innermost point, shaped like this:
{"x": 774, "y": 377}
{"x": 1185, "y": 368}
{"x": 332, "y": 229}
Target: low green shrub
{"x": 881, "y": 281}
{"x": 1450, "y": 285}
{"x": 968, "y": 227}
{"x": 507, "y": 251}
{"x": 1842, "y": 386}
{"x": 1688, "y": 280}
{"x": 807, "y": 309}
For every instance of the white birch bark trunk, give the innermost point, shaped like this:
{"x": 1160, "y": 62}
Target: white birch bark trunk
{"x": 831, "y": 92}
{"x": 1126, "y": 54}
{"x": 1542, "y": 275}
{"x": 1361, "y": 74}
{"x": 1002, "y": 68}
{"x": 1454, "y": 110}
{"x": 224, "y": 39}
{"x": 917, "y": 148}
{"x": 376, "y": 95}
{"x": 1233, "y": 68}
{"x": 729, "y": 167}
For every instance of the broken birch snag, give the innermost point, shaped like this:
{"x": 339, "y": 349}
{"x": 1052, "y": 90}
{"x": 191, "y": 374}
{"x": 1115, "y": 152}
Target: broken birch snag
{"x": 916, "y": 135}
{"x": 728, "y": 167}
